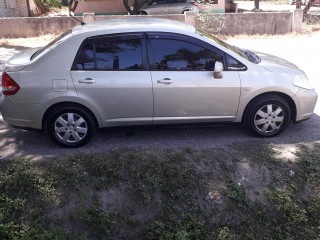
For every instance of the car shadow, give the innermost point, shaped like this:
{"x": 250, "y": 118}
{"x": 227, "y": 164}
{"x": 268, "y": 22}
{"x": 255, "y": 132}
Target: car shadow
{"x": 15, "y": 143}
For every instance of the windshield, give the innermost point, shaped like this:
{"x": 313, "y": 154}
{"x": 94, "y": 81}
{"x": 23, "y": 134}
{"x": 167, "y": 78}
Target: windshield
{"x": 250, "y": 56}
{"x": 37, "y": 53}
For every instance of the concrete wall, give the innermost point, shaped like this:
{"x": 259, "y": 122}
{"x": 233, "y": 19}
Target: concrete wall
{"x": 247, "y": 23}
{"x": 176, "y": 17}
{"x": 30, "y": 26}
{"x": 230, "y": 23}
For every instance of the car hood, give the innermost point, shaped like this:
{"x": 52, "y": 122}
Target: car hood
{"x": 275, "y": 64}
{"x": 20, "y": 60}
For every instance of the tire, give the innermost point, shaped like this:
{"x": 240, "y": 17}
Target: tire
{"x": 70, "y": 126}
{"x": 267, "y": 116}
{"x": 142, "y": 13}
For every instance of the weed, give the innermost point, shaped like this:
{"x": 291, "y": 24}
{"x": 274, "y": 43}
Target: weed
{"x": 224, "y": 233}
{"x": 309, "y": 162}
{"x": 101, "y": 223}
{"x": 237, "y": 193}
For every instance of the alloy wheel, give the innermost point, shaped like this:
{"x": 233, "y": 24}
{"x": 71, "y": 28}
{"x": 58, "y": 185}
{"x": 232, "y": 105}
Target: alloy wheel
{"x": 70, "y": 128}
{"x": 269, "y": 118}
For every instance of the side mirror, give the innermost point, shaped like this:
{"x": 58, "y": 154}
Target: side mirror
{"x": 218, "y": 70}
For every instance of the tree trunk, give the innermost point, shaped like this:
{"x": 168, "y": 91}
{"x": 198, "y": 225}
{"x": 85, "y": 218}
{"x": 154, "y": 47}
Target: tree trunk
{"x": 256, "y": 4}
{"x": 306, "y": 9}
{"x": 135, "y": 8}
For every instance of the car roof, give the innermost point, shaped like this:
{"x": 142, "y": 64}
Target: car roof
{"x": 135, "y": 24}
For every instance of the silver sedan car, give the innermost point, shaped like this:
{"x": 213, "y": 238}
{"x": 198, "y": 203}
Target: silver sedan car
{"x": 154, "y": 7}
{"x": 148, "y": 72}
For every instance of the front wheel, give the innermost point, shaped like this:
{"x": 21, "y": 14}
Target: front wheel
{"x": 267, "y": 116}
{"x": 70, "y": 126}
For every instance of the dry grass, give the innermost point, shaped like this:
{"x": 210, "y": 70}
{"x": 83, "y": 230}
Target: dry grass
{"x": 28, "y": 42}
{"x": 307, "y": 29}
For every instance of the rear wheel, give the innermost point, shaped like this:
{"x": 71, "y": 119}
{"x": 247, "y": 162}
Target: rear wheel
{"x": 267, "y": 116}
{"x": 142, "y": 13}
{"x": 70, "y": 126}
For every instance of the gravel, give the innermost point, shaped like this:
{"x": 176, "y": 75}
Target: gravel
{"x": 298, "y": 49}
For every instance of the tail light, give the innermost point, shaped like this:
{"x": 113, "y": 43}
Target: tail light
{"x": 9, "y": 86}
{"x": 194, "y": 3}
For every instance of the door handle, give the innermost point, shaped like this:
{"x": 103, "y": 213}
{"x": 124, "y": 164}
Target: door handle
{"x": 165, "y": 81}
{"x": 87, "y": 80}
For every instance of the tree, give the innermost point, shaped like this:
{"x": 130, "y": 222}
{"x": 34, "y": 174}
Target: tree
{"x": 307, "y": 8}
{"x": 135, "y": 6}
{"x": 256, "y": 4}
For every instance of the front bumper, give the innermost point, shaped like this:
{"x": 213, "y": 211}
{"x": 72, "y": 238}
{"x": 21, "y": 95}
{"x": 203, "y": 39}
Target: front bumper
{"x": 306, "y": 101}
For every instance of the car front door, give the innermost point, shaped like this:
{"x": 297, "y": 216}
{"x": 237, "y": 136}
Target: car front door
{"x": 110, "y": 75}
{"x": 184, "y": 86}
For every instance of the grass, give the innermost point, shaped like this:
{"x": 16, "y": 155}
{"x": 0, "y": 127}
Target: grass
{"x": 244, "y": 192}
{"x": 28, "y": 42}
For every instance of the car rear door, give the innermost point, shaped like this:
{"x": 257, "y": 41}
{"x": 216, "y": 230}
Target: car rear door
{"x": 157, "y": 7}
{"x": 175, "y": 6}
{"x": 184, "y": 86}
{"x": 111, "y": 75}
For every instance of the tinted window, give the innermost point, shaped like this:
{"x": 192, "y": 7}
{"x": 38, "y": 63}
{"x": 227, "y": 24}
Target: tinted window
{"x": 120, "y": 55}
{"x": 234, "y": 65}
{"x": 85, "y": 60}
{"x": 110, "y": 54}
{"x": 179, "y": 55}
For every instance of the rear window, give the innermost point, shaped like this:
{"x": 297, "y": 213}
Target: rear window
{"x": 110, "y": 54}
{"x": 41, "y": 50}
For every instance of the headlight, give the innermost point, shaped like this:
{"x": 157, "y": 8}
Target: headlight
{"x": 302, "y": 81}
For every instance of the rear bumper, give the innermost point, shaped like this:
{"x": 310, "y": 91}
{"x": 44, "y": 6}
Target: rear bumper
{"x": 20, "y": 115}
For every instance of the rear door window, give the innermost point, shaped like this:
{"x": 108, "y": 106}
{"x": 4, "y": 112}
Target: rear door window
{"x": 110, "y": 54}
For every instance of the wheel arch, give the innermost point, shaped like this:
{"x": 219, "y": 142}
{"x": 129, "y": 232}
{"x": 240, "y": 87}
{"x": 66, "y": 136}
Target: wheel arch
{"x": 142, "y": 12}
{"x": 56, "y": 105}
{"x": 287, "y": 98}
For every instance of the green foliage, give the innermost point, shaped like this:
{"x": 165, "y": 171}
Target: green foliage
{"x": 224, "y": 233}
{"x": 52, "y": 3}
{"x": 310, "y": 164}
{"x": 100, "y": 222}
{"x": 187, "y": 227}
{"x": 236, "y": 193}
